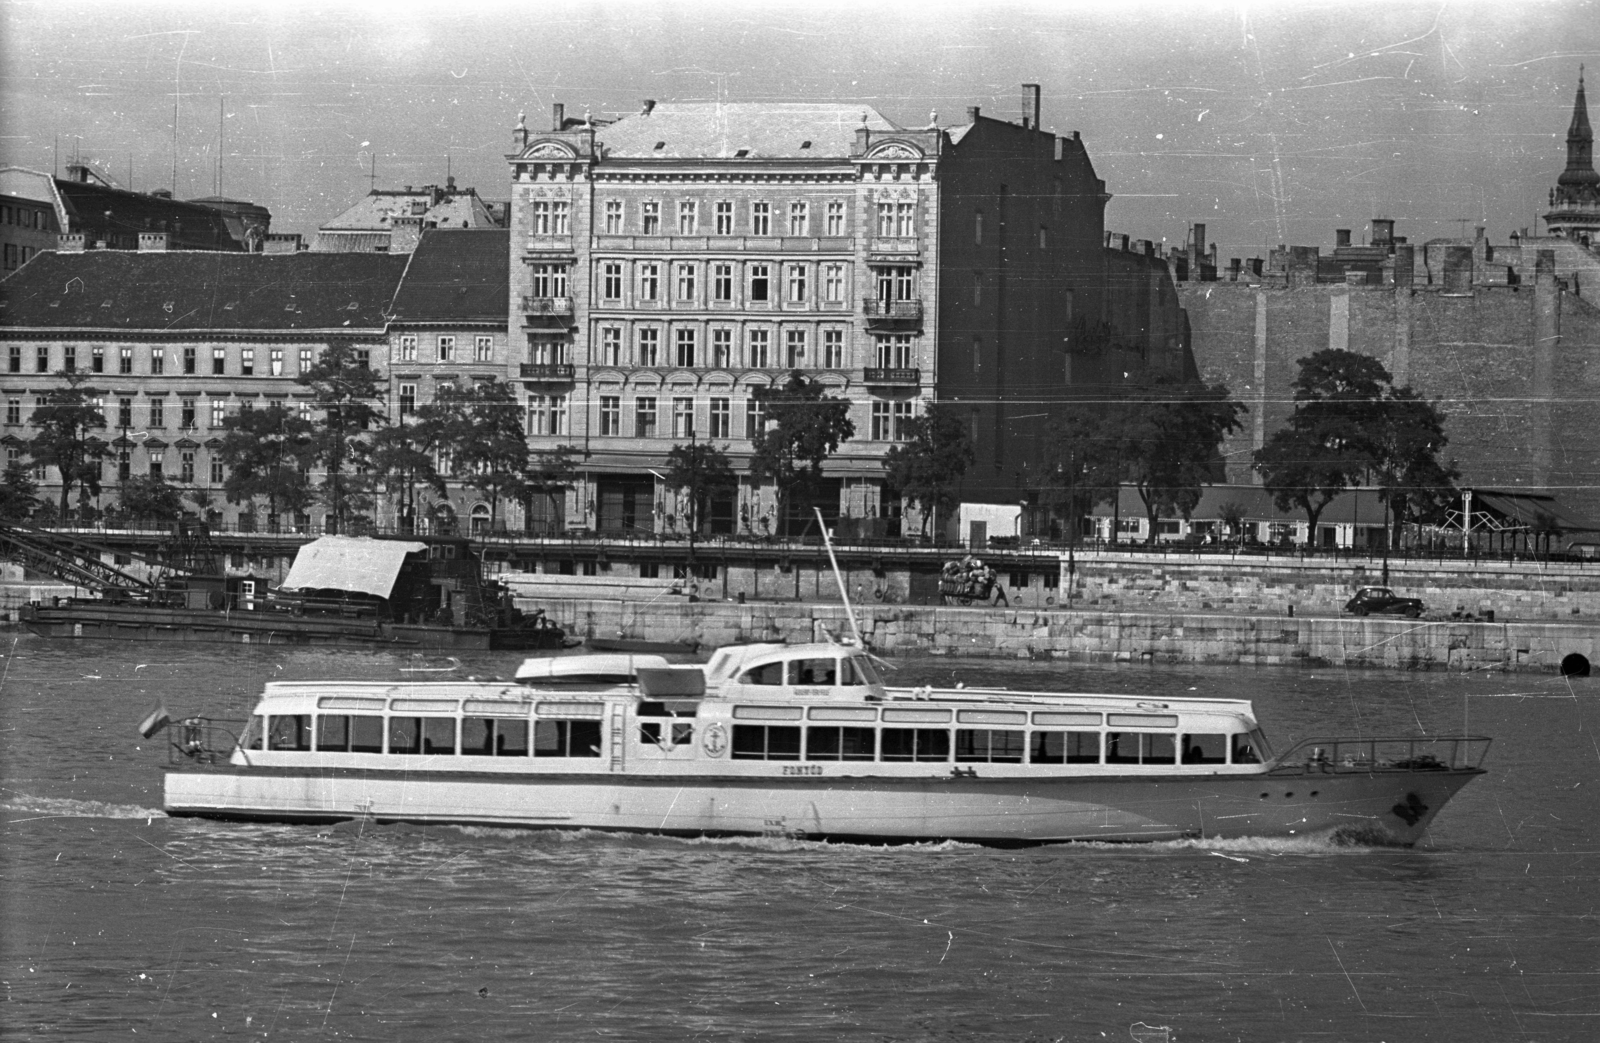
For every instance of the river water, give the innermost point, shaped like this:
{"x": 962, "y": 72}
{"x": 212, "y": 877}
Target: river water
{"x": 119, "y": 923}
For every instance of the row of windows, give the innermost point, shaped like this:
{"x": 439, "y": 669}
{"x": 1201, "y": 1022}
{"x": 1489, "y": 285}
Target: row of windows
{"x": 25, "y": 217}
{"x": 761, "y": 218}
{"x": 792, "y": 283}
{"x": 761, "y": 348}
{"x": 983, "y": 745}
{"x": 447, "y": 347}
{"x": 17, "y": 255}
{"x": 187, "y": 361}
{"x": 187, "y": 414}
{"x": 889, "y": 418}
{"x": 476, "y": 737}
{"x": 157, "y": 458}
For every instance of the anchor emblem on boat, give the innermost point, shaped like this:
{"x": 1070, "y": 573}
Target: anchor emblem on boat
{"x": 1411, "y": 811}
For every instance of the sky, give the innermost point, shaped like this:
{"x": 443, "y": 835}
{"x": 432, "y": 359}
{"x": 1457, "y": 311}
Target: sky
{"x": 1271, "y": 123}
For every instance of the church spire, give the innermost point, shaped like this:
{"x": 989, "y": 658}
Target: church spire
{"x": 1580, "y": 143}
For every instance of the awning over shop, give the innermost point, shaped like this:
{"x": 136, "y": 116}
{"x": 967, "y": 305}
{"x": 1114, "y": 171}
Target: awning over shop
{"x": 352, "y": 563}
{"x": 1536, "y": 512}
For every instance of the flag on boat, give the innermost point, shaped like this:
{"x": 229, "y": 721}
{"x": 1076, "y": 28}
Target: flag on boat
{"x": 156, "y": 721}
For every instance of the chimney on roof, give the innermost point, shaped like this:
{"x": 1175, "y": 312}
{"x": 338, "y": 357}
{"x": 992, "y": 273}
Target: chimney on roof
{"x": 649, "y": 106}
{"x": 558, "y": 115}
{"x": 1341, "y": 237}
{"x": 1030, "y": 106}
{"x": 450, "y": 185}
{"x": 972, "y": 114}
{"x": 1382, "y": 231}
{"x": 151, "y": 242}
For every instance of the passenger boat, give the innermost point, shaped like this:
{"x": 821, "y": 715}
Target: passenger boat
{"x": 800, "y": 741}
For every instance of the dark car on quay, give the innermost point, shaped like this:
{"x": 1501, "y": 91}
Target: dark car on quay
{"x": 1383, "y": 601}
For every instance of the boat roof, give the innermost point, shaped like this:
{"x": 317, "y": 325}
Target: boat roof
{"x": 619, "y": 665}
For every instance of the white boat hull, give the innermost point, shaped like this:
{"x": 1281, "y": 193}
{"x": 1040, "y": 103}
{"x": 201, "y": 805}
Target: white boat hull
{"x": 1379, "y": 806}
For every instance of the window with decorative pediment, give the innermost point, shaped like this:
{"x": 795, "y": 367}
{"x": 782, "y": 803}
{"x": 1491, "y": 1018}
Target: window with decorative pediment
{"x": 721, "y": 416}
{"x": 610, "y": 415}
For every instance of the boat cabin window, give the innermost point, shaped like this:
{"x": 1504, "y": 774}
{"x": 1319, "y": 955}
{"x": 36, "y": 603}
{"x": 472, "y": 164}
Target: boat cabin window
{"x": 990, "y": 746}
{"x": 290, "y": 732}
{"x": 1246, "y": 750}
{"x": 1064, "y": 748}
{"x": 814, "y": 673}
{"x": 841, "y": 744}
{"x": 350, "y": 733}
{"x": 865, "y": 671}
{"x": 766, "y": 742}
{"x": 433, "y": 735}
{"x": 1205, "y": 749}
{"x": 659, "y": 733}
{"x": 493, "y": 737}
{"x": 251, "y": 740}
{"x": 916, "y": 744}
{"x": 566, "y": 738}
{"x": 766, "y": 673}
{"x": 1141, "y": 747}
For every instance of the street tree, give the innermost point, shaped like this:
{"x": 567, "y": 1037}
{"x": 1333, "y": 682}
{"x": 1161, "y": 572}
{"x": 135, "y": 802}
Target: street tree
{"x": 1088, "y": 448}
{"x": 150, "y": 497}
{"x": 346, "y": 396}
{"x": 66, "y": 440}
{"x": 804, "y": 425}
{"x": 700, "y": 469}
{"x": 1412, "y": 481}
{"x": 481, "y": 428}
{"x": 550, "y": 473}
{"x": 404, "y": 456}
{"x": 266, "y": 453}
{"x": 19, "y": 494}
{"x": 1350, "y": 422}
{"x": 927, "y": 467}
{"x": 1174, "y": 434}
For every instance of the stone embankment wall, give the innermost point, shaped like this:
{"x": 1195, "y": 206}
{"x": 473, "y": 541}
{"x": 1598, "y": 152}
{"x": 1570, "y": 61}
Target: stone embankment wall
{"x": 1260, "y": 584}
{"x": 1103, "y": 636}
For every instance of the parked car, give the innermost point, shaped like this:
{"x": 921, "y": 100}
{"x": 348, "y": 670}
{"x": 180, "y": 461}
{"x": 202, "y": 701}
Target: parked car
{"x": 1383, "y": 601}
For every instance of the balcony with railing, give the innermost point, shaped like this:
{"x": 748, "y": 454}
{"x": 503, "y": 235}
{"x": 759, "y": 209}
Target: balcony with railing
{"x": 550, "y": 372}
{"x": 899, "y": 375}
{"x": 882, "y": 312}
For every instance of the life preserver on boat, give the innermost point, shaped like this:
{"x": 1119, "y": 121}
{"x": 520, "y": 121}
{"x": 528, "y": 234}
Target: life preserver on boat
{"x": 714, "y": 739}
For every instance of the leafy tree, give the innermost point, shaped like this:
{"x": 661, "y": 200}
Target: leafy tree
{"x": 928, "y": 465}
{"x": 403, "y": 457}
{"x": 346, "y": 393}
{"x": 701, "y": 469}
{"x": 266, "y": 452}
{"x": 150, "y": 496}
{"x": 551, "y": 472}
{"x": 804, "y": 426}
{"x": 1232, "y": 514}
{"x": 18, "y": 494}
{"x": 1350, "y": 421}
{"x": 1406, "y": 467}
{"x": 1090, "y": 447}
{"x": 1174, "y": 432}
{"x": 65, "y": 442}
{"x": 481, "y": 428}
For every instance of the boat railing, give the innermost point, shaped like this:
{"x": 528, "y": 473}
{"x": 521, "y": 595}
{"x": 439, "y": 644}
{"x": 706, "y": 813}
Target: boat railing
{"x": 1333, "y": 756}
{"x": 202, "y": 740}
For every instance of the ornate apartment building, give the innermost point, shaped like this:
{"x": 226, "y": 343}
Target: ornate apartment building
{"x": 667, "y": 266}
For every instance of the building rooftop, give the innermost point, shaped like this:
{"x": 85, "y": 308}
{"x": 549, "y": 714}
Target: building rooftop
{"x": 200, "y": 290}
{"x": 447, "y": 207}
{"x": 716, "y": 130}
{"x": 456, "y": 276}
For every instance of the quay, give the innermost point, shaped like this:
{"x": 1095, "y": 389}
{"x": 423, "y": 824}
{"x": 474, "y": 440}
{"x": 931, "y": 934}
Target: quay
{"x": 1070, "y": 635}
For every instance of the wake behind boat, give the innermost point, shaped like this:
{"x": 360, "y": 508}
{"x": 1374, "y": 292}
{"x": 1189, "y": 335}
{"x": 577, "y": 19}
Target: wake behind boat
{"x": 801, "y": 740}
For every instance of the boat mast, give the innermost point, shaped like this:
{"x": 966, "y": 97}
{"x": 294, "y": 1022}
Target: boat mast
{"x": 827, "y": 540}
